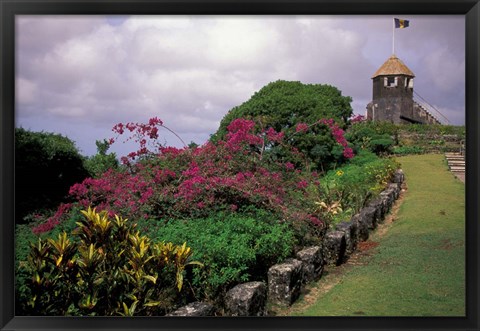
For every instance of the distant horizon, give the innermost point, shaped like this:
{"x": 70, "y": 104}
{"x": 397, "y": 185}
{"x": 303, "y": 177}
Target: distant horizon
{"x": 81, "y": 75}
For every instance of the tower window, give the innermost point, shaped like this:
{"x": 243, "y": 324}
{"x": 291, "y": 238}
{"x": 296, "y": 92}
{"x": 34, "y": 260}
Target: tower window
{"x": 409, "y": 83}
{"x": 390, "y": 81}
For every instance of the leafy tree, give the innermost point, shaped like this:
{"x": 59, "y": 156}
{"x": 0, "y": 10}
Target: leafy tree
{"x": 46, "y": 165}
{"x": 283, "y": 106}
{"x": 101, "y": 162}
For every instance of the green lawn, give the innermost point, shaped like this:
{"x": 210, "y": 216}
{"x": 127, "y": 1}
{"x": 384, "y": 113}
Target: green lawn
{"x": 418, "y": 268}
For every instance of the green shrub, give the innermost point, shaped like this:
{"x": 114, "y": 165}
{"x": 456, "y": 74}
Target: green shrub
{"x": 233, "y": 247}
{"x": 364, "y": 157}
{"x": 110, "y": 270}
{"x": 346, "y": 190}
{"x": 407, "y": 150}
{"x": 44, "y": 160}
{"x": 377, "y": 137}
{"x": 381, "y": 144}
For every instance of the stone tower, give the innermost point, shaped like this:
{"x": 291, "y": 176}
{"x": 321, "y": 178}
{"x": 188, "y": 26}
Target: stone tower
{"x": 392, "y": 92}
{"x": 392, "y": 99}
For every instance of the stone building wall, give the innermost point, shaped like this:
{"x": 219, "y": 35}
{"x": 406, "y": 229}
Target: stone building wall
{"x": 390, "y": 110}
{"x": 399, "y": 110}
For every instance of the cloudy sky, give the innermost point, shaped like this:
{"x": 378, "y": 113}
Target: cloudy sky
{"x": 81, "y": 75}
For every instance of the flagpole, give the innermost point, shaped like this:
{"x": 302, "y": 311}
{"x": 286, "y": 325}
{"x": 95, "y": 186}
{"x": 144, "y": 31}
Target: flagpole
{"x": 393, "y": 36}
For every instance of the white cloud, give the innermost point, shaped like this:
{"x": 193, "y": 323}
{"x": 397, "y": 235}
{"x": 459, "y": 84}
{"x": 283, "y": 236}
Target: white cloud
{"x": 71, "y": 112}
{"x": 446, "y": 70}
{"x": 26, "y": 91}
{"x": 136, "y": 24}
{"x": 41, "y": 33}
{"x": 239, "y": 43}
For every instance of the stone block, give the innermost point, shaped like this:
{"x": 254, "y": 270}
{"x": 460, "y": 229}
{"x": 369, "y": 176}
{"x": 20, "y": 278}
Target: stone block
{"x": 390, "y": 195}
{"x": 351, "y": 236}
{"x": 369, "y": 217}
{"x": 312, "y": 258}
{"x": 396, "y": 190}
{"x": 399, "y": 177}
{"x": 285, "y": 282}
{"x": 387, "y": 201}
{"x": 362, "y": 227}
{"x": 379, "y": 207}
{"x": 248, "y": 299}
{"x": 387, "y": 204}
{"x": 334, "y": 247}
{"x": 195, "y": 309}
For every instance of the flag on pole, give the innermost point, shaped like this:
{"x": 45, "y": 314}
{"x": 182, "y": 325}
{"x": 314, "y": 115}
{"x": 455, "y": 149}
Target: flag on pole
{"x": 401, "y": 23}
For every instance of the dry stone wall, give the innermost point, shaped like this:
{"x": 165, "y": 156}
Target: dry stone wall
{"x": 286, "y": 280}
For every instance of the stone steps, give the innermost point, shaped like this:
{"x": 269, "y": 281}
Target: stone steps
{"x": 456, "y": 166}
{"x": 456, "y": 162}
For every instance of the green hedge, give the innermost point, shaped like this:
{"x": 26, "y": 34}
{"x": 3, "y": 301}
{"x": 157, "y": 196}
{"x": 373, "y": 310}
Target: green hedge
{"x": 233, "y": 247}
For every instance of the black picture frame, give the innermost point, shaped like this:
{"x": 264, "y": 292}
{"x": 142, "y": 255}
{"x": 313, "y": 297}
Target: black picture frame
{"x": 10, "y": 8}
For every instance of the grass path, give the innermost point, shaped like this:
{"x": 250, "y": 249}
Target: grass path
{"x": 413, "y": 265}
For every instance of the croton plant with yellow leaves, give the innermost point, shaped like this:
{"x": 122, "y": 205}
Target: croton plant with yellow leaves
{"x": 106, "y": 268}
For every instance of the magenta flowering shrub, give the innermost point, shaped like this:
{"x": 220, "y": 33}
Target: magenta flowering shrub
{"x": 338, "y": 134}
{"x": 229, "y": 175}
{"x": 51, "y": 222}
{"x": 302, "y": 127}
{"x": 357, "y": 119}
{"x": 145, "y": 134}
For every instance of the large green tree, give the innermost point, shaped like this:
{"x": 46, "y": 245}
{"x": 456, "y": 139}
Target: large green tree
{"x": 46, "y": 165}
{"x": 283, "y": 105}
